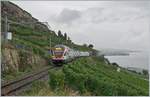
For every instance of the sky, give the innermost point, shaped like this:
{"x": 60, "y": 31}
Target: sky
{"x": 105, "y": 24}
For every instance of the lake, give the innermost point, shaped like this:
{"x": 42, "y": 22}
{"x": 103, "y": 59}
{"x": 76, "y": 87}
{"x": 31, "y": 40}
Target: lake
{"x": 138, "y": 60}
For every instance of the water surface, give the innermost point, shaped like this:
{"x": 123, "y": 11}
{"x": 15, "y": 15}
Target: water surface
{"x": 138, "y": 60}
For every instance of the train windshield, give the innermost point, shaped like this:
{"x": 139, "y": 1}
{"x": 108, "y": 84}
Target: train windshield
{"x": 58, "y": 53}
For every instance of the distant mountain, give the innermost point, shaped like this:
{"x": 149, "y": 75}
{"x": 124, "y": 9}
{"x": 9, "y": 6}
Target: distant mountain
{"x": 116, "y": 52}
{"x": 119, "y": 50}
{"x": 138, "y": 70}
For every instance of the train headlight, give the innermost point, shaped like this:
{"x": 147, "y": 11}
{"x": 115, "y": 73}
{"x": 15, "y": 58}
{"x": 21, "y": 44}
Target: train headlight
{"x": 53, "y": 56}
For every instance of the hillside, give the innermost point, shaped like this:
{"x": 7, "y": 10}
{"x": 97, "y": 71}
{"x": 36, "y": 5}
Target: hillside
{"x": 31, "y": 30}
{"x": 30, "y": 42}
{"x": 91, "y": 76}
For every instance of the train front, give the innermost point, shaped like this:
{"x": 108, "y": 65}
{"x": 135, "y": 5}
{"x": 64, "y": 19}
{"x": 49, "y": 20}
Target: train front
{"x": 58, "y": 55}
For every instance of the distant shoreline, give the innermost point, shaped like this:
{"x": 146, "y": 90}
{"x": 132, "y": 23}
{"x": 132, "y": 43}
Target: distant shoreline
{"x": 138, "y": 60}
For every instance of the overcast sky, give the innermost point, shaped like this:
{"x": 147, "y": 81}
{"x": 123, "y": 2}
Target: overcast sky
{"x": 106, "y": 24}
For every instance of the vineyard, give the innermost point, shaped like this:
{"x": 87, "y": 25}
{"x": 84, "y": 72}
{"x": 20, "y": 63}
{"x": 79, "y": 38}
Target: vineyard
{"x": 29, "y": 51}
{"x": 93, "y": 76}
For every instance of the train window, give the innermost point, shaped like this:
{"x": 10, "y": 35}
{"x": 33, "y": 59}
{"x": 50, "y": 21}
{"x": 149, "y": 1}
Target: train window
{"x": 58, "y": 53}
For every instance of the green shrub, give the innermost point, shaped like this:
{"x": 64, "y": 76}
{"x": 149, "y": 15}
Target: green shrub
{"x": 94, "y": 76}
{"x": 75, "y": 80}
{"x": 56, "y": 79}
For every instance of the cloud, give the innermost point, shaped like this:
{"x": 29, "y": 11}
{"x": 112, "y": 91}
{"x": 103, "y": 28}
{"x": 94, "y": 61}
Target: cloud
{"x": 106, "y": 27}
{"x": 116, "y": 14}
{"x": 67, "y": 16}
{"x": 106, "y": 24}
{"x": 97, "y": 15}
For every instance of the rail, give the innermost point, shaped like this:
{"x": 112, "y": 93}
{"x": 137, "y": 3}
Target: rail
{"x": 10, "y": 88}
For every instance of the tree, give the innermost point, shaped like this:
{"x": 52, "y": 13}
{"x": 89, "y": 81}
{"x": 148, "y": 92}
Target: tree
{"x": 59, "y": 34}
{"x": 145, "y": 72}
{"x": 69, "y": 40}
{"x": 65, "y": 36}
{"x": 85, "y": 45}
{"x": 90, "y": 46}
{"x": 115, "y": 64}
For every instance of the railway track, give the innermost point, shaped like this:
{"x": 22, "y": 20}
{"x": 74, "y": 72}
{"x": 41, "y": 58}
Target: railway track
{"x": 11, "y": 88}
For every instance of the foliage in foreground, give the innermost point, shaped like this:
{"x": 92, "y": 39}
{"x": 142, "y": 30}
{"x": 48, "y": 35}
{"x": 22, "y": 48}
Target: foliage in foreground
{"x": 41, "y": 88}
{"x": 97, "y": 78}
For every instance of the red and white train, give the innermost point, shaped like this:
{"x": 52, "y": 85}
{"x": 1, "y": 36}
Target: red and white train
{"x": 62, "y": 54}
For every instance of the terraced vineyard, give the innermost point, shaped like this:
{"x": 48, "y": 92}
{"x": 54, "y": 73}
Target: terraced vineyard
{"x": 93, "y": 76}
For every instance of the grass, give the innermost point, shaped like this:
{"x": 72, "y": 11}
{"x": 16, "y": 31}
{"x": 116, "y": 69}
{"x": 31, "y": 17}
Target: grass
{"x": 41, "y": 88}
{"x": 7, "y": 76}
{"x": 93, "y": 75}
{"x": 89, "y": 76}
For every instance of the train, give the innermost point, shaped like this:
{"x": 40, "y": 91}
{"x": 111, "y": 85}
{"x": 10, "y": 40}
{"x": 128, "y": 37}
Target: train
{"x": 63, "y": 54}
